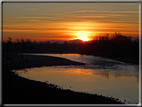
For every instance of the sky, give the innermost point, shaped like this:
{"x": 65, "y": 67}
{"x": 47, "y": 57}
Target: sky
{"x": 68, "y": 21}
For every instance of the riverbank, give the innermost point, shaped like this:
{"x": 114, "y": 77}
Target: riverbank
{"x": 125, "y": 60}
{"x": 30, "y": 61}
{"x": 18, "y": 90}
{"x": 121, "y": 59}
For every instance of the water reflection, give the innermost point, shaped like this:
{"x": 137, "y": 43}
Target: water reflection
{"x": 99, "y": 76}
{"x": 95, "y": 62}
{"x": 87, "y": 80}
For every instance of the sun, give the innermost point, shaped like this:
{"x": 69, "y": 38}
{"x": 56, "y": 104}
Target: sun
{"x": 83, "y": 39}
{"x": 82, "y": 36}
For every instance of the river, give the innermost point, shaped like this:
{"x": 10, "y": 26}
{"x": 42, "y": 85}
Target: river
{"x": 100, "y": 76}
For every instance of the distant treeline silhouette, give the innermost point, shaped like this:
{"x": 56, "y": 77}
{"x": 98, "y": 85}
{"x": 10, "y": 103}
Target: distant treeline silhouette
{"x": 115, "y": 46}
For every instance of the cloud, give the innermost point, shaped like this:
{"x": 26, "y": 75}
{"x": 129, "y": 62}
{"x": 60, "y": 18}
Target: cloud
{"x": 29, "y": 9}
{"x": 105, "y": 12}
{"x": 34, "y": 29}
{"x": 94, "y": 16}
{"x": 35, "y": 20}
{"x": 120, "y": 12}
{"x": 15, "y": 30}
{"x": 31, "y": 17}
{"x": 86, "y": 11}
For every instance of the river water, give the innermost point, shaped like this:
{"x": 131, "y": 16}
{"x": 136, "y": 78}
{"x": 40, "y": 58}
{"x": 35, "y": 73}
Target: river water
{"x": 100, "y": 76}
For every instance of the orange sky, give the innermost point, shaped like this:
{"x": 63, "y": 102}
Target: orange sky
{"x": 67, "y": 21}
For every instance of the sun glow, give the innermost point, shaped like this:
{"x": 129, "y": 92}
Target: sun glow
{"x": 82, "y": 36}
{"x": 83, "y": 39}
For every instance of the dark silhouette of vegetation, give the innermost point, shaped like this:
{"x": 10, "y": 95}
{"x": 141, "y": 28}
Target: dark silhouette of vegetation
{"x": 10, "y": 60}
{"x": 117, "y": 46}
{"x": 18, "y": 90}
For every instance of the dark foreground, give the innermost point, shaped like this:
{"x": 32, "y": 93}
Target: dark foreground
{"x": 23, "y": 91}
{"x": 18, "y": 90}
{"x": 30, "y": 61}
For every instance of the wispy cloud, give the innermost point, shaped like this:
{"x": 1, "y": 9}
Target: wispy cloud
{"x": 94, "y": 11}
{"x": 29, "y": 9}
{"x": 32, "y": 28}
{"x": 35, "y": 20}
{"x": 31, "y": 17}
{"x": 111, "y": 15}
{"x": 95, "y": 16}
{"x": 86, "y": 11}
{"x": 120, "y": 11}
{"x": 15, "y": 30}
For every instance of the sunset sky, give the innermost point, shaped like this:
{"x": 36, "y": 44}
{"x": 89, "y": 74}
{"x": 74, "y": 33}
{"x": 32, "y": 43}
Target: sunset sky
{"x": 67, "y": 21}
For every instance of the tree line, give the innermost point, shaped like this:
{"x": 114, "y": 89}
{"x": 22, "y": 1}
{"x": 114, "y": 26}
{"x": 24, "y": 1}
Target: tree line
{"x": 115, "y": 46}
